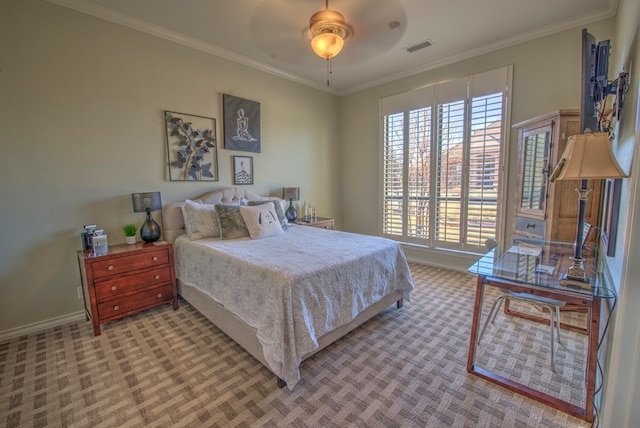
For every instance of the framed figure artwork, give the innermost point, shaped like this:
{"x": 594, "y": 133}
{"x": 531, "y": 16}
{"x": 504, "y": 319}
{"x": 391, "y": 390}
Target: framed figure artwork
{"x": 241, "y": 124}
{"x": 242, "y": 170}
{"x": 192, "y": 147}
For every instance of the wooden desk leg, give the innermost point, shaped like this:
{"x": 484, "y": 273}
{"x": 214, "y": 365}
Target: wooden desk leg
{"x": 592, "y": 356}
{"x": 477, "y": 310}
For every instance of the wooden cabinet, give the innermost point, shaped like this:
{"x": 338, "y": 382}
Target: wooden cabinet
{"x": 126, "y": 280}
{"x": 321, "y": 222}
{"x": 544, "y": 209}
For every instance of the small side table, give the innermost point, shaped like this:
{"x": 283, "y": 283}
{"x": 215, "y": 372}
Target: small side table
{"x": 126, "y": 280}
{"x": 320, "y": 222}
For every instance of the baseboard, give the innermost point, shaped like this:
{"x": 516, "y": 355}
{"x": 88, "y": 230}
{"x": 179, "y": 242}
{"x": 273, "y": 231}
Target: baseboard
{"x": 42, "y": 325}
{"x": 451, "y": 260}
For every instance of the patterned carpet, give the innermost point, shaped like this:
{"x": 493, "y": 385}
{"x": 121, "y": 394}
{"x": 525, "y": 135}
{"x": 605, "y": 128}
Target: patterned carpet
{"x": 404, "y": 368}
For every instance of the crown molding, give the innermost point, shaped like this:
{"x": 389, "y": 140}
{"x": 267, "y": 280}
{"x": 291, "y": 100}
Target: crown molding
{"x": 119, "y": 18}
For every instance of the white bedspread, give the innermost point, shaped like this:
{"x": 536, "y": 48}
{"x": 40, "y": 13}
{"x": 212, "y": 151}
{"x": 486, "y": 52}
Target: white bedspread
{"x": 294, "y": 287}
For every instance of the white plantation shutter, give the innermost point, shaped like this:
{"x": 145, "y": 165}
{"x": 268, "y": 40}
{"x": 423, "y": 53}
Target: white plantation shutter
{"x": 442, "y": 148}
{"x": 393, "y": 170}
{"x": 484, "y": 166}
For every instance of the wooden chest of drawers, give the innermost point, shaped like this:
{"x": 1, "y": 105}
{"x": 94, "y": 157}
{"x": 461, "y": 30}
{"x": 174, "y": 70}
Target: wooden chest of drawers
{"x": 126, "y": 280}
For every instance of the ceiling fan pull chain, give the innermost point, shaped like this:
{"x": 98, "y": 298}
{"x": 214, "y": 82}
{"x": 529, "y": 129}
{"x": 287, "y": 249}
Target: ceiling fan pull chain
{"x": 329, "y": 71}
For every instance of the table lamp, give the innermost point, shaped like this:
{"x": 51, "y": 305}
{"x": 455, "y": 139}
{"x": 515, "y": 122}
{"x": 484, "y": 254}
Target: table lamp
{"x": 292, "y": 194}
{"x": 146, "y": 202}
{"x": 586, "y": 157}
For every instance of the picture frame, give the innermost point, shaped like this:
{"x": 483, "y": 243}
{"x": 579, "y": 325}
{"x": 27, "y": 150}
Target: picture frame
{"x": 241, "y": 124}
{"x": 242, "y": 170}
{"x": 192, "y": 147}
{"x": 611, "y": 209}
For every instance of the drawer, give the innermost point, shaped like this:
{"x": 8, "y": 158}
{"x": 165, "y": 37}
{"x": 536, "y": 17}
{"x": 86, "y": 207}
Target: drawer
{"x": 323, "y": 224}
{"x": 108, "y": 288}
{"x": 127, "y": 304}
{"x": 118, "y": 265}
{"x": 531, "y": 226}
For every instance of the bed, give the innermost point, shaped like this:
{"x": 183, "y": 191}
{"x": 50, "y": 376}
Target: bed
{"x": 287, "y": 296}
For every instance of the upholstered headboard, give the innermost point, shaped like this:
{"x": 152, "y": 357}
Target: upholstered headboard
{"x": 172, "y": 213}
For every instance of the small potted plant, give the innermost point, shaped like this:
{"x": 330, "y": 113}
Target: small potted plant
{"x": 130, "y": 232}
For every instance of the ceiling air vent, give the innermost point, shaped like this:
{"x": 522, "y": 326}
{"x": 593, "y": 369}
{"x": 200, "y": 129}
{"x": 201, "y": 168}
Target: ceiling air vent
{"x": 419, "y": 46}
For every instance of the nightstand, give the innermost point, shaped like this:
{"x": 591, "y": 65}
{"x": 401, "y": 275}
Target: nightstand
{"x": 126, "y": 280}
{"x": 321, "y": 222}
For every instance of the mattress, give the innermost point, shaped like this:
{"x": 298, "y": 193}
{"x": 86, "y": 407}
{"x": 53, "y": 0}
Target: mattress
{"x": 295, "y": 287}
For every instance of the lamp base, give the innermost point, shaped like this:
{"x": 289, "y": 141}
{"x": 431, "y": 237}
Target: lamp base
{"x": 150, "y": 230}
{"x": 575, "y": 276}
{"x": 566, "y": 281}
{"x": 291, "y": 212}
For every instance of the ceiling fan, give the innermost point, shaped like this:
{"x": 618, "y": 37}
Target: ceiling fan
{"x": 297, "y": 32}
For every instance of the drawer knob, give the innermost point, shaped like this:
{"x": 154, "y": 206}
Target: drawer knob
{"x": 110, "y": 267}
{"x": 159, "y": 295}
{"x": 157, "y": 277}
{"x": 116, "y": 307}
{"x": 114, "y": 288}
{"x": 531, "y": 226}
{"x": 155, "y": 258}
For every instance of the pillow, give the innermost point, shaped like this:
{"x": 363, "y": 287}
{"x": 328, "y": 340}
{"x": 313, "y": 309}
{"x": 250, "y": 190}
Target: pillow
{"x": 230, "y": 222}
{"x": 261, "y": 220}
{"x": 200, "y": 220}
{"x": 279, "y": 211}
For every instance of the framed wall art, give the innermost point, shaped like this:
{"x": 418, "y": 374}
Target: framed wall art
{"x": 241, "y": 124}
{"x": 242, "y": 170}
{"x": 192, "y": 147}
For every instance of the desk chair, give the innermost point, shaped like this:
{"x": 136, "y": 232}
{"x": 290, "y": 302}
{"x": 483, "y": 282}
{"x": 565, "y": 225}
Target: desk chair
{"x": 552, "y": 305}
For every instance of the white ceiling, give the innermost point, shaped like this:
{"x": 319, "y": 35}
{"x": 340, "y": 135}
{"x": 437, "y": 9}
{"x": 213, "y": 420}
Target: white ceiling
{"x": 270, "y": 34}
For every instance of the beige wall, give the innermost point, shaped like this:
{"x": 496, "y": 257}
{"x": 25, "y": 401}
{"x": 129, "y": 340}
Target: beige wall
{"x": 81, "y": 128}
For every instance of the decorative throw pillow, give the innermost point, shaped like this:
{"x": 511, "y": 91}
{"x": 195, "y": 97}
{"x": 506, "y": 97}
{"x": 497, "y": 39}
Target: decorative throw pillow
{"x": 230, "y": 222}
{"x": 261, "y": 220}
{"x": 279, "y": 211}
{"x": 200, "y": 220}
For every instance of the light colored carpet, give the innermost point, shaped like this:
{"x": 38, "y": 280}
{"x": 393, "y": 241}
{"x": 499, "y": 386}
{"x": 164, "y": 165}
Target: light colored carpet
{"x": 404, "y": 368}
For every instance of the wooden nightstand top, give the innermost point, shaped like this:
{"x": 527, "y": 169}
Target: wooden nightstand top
{"x": 321, "y": 222}
{"x": 125, "y": 248}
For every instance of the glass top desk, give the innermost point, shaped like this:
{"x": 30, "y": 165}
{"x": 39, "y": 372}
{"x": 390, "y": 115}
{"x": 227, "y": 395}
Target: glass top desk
{"x": 535, "y": 267}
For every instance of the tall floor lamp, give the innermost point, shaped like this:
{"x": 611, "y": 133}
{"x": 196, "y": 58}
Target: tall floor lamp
{"x": 586, "y": 157}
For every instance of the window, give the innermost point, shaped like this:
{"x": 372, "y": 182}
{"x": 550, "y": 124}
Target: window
{"x": 441, "y": 158}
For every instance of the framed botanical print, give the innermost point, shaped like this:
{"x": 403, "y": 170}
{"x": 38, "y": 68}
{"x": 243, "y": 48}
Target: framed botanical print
{"x": 192, "y": 147}
{"x": 241, "y": 124}
{"x": 242, "y": 170}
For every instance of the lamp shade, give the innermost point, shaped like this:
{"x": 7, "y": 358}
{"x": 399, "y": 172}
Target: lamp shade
{"x": 291, "y": 193}
{"x": 143, "y": 201}
{"x": 587, "y": 157}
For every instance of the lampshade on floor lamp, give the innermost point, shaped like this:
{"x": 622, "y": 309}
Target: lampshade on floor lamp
{"x": 147, "y": 202}
{"x": 586, "y": 157}
{"x": 292, "y": 194}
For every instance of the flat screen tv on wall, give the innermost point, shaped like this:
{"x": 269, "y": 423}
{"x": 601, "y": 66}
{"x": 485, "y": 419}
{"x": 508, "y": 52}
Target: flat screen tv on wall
{"x": 594, "y": 84}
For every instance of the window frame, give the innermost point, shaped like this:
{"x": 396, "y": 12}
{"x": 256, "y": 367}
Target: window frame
{"x": 405, "y": 103}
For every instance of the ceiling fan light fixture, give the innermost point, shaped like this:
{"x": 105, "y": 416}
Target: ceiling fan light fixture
{"x": 328, "y": 32}
{"x": 327, "y": 45}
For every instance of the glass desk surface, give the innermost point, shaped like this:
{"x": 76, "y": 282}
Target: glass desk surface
{"x": 540, "y": 263}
